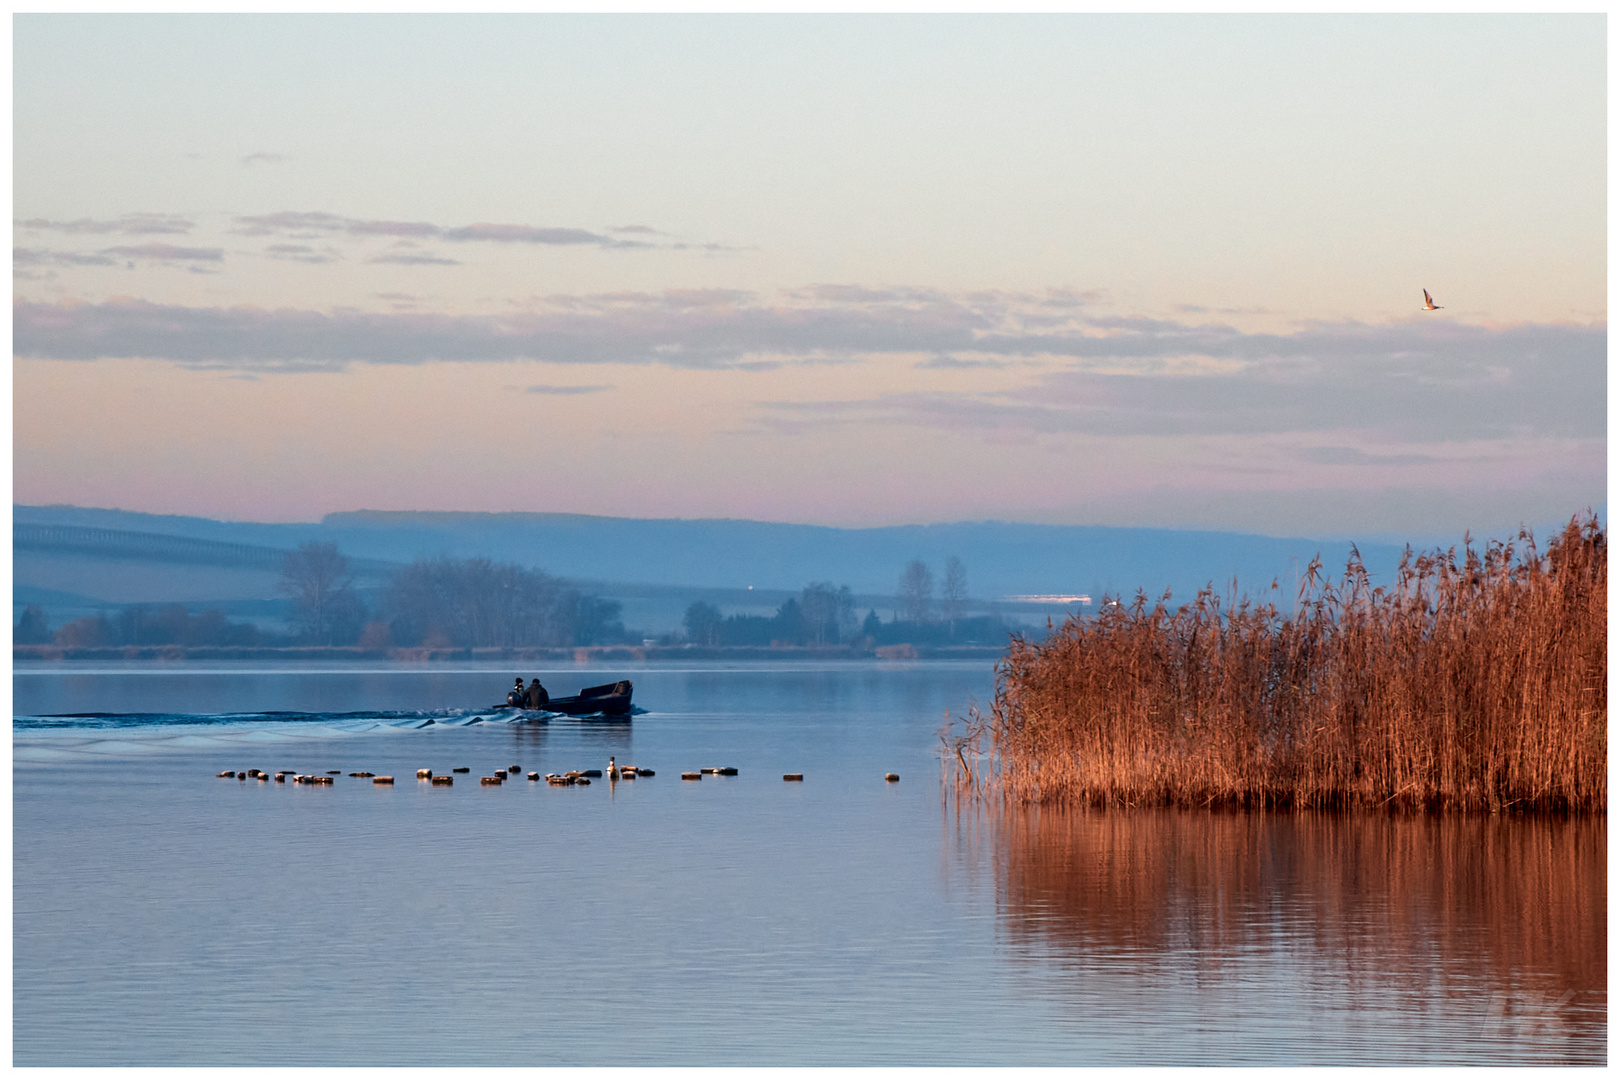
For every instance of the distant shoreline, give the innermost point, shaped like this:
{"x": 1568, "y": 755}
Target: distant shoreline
{"x": 582, "y": 655}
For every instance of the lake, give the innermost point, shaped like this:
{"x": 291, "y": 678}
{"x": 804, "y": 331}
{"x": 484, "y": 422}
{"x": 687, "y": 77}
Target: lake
{"x": 162, "y": 915}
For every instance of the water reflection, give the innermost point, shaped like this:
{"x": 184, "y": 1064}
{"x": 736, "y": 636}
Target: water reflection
{"x": 608, "y": 736}
{"x": 1442, "y": 939}
{"x": 530, "y": 737}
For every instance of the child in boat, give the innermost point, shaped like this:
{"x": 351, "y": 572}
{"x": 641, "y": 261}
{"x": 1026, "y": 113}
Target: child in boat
{"x": 516, "y": 697}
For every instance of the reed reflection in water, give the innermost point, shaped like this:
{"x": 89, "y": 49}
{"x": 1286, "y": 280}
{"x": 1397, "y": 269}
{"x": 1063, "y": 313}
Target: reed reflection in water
{"x": 1311, "y": 937}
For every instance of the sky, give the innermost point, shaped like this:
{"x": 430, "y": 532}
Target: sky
{"x": 1115, "y": 270}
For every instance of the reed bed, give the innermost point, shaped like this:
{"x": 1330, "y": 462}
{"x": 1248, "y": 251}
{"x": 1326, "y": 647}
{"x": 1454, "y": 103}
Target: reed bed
{"x": 1475, "y": 682}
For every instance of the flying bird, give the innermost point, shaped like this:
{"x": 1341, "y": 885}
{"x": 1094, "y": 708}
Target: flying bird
{"x": 1428, "y": 302}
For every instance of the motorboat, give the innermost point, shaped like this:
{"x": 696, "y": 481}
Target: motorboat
{"x": 609, "y": 699}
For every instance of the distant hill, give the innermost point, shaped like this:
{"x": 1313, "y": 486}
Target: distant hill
{"x": 58, "y": 599}
{"x": 132, "y": 546}
{"x": 1003, "y": 559}
{"x": 228, "y": 532}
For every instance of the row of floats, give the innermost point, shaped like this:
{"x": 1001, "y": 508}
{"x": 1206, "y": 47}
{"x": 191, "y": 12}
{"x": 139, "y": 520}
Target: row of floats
{"x": 577, "y": 776}
{"x": 499, "y": 776}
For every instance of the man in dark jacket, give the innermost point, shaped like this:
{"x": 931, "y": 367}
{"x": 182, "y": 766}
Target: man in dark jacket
{"x": 537, "y": 697}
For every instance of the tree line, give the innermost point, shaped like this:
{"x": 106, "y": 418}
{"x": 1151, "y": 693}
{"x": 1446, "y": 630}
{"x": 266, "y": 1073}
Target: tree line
{"x": 439, "y": 603}
{"x": 170, "y": 624}
{"x": 824, "y": 615}
{"x": 917, "y": 592}
{"x": 819, "y": 615}
{"x": 444, "y": 602}
{"x": 478, "y": 603}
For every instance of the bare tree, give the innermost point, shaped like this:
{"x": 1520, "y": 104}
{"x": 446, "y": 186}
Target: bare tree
{"x": 85, "y": 632}
{"x": 32, "y": 628}
{"x": 847, "y": 623}
{"x": 595, "y": 620}
{"x": 704, "y": 623}
{"x": 479, "y": 603}
{"x": 318, "y": 580}
{"x": 916, "y": 591}
{"x": 818, "y": 606}
{"x": 953, "y": 596}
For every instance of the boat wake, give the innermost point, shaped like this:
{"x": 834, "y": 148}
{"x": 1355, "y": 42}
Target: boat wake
{"x": 344, "y": 721}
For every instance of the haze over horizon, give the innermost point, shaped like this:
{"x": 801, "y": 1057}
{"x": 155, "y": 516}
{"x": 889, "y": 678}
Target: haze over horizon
{"x": 857, "y": 271}
{"x": 119, "y": 518}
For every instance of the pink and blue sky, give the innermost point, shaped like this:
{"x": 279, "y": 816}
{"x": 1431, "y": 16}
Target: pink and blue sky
{"x": 844, "y": 270}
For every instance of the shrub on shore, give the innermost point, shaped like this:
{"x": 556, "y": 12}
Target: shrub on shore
{"x": 1477, "y": 683}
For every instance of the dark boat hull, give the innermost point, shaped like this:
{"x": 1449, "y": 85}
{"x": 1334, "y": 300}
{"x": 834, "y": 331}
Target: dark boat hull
{"x": 611, "y": 699}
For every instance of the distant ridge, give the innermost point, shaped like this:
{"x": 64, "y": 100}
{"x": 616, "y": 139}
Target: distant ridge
{"x": 128, "y": 544}
{"x": 156, "y": 547}
{"x": 1002, "y": 558}
{"x": 241, "y": 532}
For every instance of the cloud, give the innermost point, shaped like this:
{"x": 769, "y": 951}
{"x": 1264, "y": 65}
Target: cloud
{"x": 392, "y": 228}
{"x": 262, "y": 158}
{"x": 406, "y": 258}
{"x": 1349, "y": 455}
{"x": 543, "y": 388}
{"x": 524, "y": 234}
{"x": 953, "y": 363}
{"x": 301, "y": 253}
{"x": 305, "y": 224}
{"x": 294, "y": 222}
{"x": 860, "y": 294}
{"x": 1199, "y": 309}
{"x": 113, "y": 256}
{"x": 1415, "y": 382}
{"x": 44, "y": 257}
{"x": 1072, "y": 298}
{"x": 128, "y": 225}
{"x": 687, "y": 330}
{"x": 1409, "y": 384}
{"x": 669, "y": 299}
{"x": 157, "y": 252}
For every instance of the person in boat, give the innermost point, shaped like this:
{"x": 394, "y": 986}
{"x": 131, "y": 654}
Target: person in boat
{"x": 537, "y": 698}
{"x": 516, "y": 696}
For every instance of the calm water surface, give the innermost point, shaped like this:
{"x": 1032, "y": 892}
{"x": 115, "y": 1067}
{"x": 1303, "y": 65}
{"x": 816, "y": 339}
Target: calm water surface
{"x": 161, "y": 915}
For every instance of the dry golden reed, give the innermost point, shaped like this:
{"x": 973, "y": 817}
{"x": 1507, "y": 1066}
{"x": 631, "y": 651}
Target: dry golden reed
{"x": 1472, "y": 683}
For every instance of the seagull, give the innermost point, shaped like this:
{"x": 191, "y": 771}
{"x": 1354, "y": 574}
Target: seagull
{"x": 1428, "y": 302}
